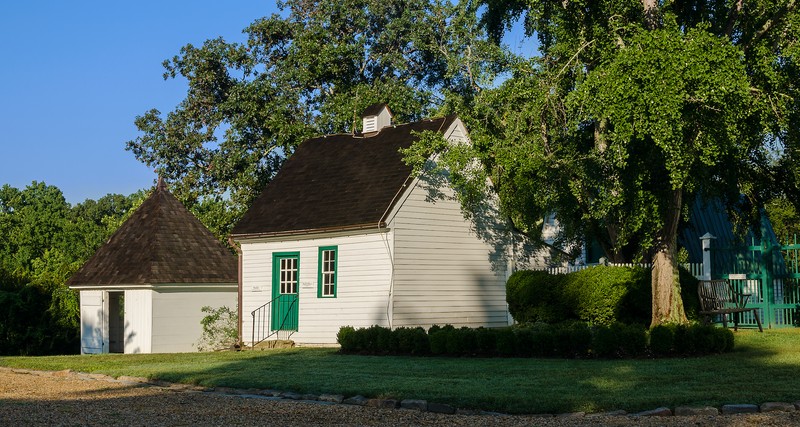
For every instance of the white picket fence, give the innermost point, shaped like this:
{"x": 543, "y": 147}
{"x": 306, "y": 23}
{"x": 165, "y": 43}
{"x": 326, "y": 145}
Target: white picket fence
{"x": 695, "y": 268}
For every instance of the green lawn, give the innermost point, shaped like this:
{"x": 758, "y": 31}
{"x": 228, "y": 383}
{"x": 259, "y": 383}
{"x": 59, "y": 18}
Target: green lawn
{"x": 764, "y": 367}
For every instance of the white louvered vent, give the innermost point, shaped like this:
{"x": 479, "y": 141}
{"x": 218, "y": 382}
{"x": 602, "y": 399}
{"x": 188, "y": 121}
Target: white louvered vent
{"x": 370, "y": 124}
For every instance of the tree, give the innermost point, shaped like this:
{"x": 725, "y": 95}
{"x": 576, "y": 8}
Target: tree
{"x": 312, "y": 71}
{"x": 633, "y": 108}
{"x": 43, "y": 241}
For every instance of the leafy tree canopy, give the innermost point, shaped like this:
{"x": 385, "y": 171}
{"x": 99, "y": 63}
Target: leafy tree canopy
{"x": 631, "y": 109}
{"x": 311, "y": 70}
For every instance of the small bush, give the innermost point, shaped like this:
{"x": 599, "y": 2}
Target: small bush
{"x": 455, "y": 342}
{"x": 543, "y": 340}
{"x": 633, "y": 339}
{"x": 506, "y": 342}
{"x": 662, "y": 340}
{"x": 619, "y": 340}
{"x": 706, "y": 339}
{"x": 438, "y": 341}
{"x": 579, "y": 337}
{"x": 604, "y": 342}
{"x": 524, "y": 342}
{"x": 220, "y": 328}
{"x": 485, "y": 341}
{"x": 348, "y": 339}
{"x": 410, "y": 341}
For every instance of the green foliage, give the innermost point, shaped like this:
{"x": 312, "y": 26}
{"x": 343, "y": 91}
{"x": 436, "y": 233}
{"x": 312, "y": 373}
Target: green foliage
{"x": 410, "y": 341}
{"x": 348, "y": 339}
{"x": 506, "y": 342}
{"x": 662, "y": 339}
{"x": 220, "y": 329}
{"x": 784, "y": 219}
{"x": 599, "y": 295}
{"x": 623, "y": 114}
{"x": 535, "y": 296}
{"x": 311, "y": 69}
{"x": 692, "y": 339}
{"x": 564, "y": 340}
{"x": 43, "y": 241}
{"x": 619, "y": 340}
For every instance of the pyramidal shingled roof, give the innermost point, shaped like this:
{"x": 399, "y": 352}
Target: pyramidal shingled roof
{"x": 161, "y": 242}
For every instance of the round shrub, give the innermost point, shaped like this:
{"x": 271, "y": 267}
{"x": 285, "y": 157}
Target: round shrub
{"x": 410, "y": 341}
{"x": 543, "y": 340}
{"x": 485, "y": 341}
{"x": 536, "y": 296}
{"x": 438, "y": 341}
{"x": 619, "y": 340}
{"x": 632, "y": 339}
{"x": 604, "y": 342}
{"x": 456, "y": 342}
{"x": 524, "y": 342}
{"x": 347, "y": 339}
{"x": 662, "y": 339}
{"x": 506, "y": 342}
{"x": 598, "y": 294}
{"x": 579, "y": 338}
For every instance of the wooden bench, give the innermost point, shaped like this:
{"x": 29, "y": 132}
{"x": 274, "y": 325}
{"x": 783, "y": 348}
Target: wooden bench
{"x": 719, "y": 297}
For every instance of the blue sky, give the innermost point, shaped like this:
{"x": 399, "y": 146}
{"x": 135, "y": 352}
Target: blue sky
{"x": 74, "y": 76}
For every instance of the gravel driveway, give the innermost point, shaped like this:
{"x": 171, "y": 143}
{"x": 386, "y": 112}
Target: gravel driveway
{"x": 67, "y": 398}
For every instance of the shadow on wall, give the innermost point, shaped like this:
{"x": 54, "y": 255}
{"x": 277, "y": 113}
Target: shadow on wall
{"x": 508, "y": 248}
{"x": 130, "y": 337}
{"x": 92, "y": 334}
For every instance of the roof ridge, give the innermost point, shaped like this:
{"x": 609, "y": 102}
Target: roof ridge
{"x": 393, "y": 125}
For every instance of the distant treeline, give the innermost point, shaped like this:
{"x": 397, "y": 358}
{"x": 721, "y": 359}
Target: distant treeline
{"x": 44, "y": 240}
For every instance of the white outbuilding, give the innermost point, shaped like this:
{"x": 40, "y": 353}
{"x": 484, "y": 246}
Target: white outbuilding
{"x": 143, "y": 290}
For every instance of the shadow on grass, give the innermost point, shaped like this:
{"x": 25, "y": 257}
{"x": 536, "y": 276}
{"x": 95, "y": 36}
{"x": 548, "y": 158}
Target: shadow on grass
{"x": 762, "y": 368}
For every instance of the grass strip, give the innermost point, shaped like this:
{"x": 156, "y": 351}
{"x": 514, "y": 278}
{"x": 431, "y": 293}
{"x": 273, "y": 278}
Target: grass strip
{"x": 763, "y": 367}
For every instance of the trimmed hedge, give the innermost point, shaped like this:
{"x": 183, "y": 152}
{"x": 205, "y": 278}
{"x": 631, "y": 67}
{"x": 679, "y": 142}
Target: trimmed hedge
{"x": 565, "y": 340}
{"x": 535, "y": 296}
{"x": 599, "y": 295}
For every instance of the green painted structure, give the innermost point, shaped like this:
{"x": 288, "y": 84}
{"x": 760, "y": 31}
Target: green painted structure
{"x": 756, "y": 264}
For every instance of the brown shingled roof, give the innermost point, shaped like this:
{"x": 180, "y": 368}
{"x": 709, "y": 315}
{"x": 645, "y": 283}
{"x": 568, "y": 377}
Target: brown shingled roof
{"x": 161, "y": 242}
{"x": 336, "y": 181}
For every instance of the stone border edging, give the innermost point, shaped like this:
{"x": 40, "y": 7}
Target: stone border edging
{"x": 407, "y": 404}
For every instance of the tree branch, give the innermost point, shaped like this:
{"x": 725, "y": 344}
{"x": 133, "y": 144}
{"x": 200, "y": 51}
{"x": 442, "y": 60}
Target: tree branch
{"x": 732, "y": 17}
{"x": 771, "y": 23}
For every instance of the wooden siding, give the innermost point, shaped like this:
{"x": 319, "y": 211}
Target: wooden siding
{"x": 138, "y": 321}
{"x": 177, "y": 316}
{"x": 94, "y": 325}
{"x": 443, "y": 272}
{"x": 362, "y": 297}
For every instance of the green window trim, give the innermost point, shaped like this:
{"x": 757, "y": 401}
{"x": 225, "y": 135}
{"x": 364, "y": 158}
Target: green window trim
{"x": 327, "y": 271}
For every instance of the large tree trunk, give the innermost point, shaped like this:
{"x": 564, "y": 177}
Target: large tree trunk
{"x": 667, "y": 301}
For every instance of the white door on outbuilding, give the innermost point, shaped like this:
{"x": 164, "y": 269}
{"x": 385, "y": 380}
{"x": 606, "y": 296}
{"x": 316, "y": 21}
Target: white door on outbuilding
{"x": 94, "y": 322}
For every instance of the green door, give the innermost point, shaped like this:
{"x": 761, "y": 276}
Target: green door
{"x": 285, "y": 276}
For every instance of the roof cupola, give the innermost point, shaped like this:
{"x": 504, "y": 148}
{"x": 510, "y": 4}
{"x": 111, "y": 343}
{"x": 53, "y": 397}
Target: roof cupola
{"x": 376, "y": 117}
